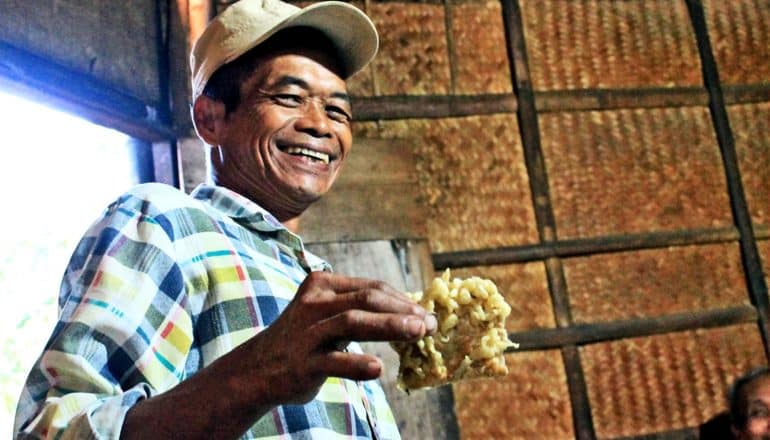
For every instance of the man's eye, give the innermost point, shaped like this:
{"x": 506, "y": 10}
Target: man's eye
{"x": 338, "y": 113}
{"x": 758, "y": 412}
{"x": 288, "y": 99}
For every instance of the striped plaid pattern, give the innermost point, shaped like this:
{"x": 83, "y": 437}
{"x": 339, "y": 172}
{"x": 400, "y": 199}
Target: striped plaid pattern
{"x": 159, "y": 288}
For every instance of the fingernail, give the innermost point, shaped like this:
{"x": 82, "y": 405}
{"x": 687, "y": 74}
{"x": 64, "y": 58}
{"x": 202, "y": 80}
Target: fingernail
{"x": 414, "y": 326}
{"x": 375, "y": 367}
{"x": 431, "y": 323}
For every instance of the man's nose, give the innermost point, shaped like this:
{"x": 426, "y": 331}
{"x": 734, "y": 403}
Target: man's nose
{"x": 313, "y": 119}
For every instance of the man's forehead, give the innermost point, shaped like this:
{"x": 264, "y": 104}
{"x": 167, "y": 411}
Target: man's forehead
{"x": 760, "y": 385}
{"x": 308, "y": 69}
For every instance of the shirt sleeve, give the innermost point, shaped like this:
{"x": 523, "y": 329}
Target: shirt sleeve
{"x": 123, "y": 332}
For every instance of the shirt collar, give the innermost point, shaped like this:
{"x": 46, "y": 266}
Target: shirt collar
{"x": 252, "y": 216}
{"x": 237, "y": 207}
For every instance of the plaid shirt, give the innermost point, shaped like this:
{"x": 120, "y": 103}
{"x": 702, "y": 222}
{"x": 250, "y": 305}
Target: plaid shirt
{"x": 159, "y": 288}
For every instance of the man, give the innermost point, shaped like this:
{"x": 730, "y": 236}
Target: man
{"x": 204, "y": 316}
{"x": 749, "y": 400}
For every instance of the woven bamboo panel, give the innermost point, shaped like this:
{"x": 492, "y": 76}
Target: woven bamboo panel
{"x": 473, "y": 182}
{"x": 638, "y": 170}
{"x": 764, "y": 254}
{"x": 610, "y": 44}
{"x": 362, "y": 83}
{"x": 655, "y": 282}
{"x": 739, "y": 33}
{"x": 480, "y": 57}
{"x": 531, "y": 402}
{"x": 361, "y": 130}
{"x": 525, "y": 288}
{"x": 665, "y": 382}
{"x": 751, "y": 131}
{"x": 413, "y": 57}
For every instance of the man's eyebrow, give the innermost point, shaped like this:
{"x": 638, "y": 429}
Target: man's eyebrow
{"x": 288, "y": 80}
{"x": 341, "y": 95}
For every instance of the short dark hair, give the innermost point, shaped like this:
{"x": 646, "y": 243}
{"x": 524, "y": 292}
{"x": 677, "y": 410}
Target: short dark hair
{"x": 735, "y": 396}
{"x": 225, "y": 84}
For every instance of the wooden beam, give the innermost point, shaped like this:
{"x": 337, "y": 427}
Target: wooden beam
{"x": 606, "y": 99}
{"x": 746, "y": 94}
{"x": 675, "y": 434}
{"x": 581, "y": 334}
{"x": 546, "y": 224}
{"x": 38, "y": 78}
{"x": 610, "y": 99}
{"x": 583, "y": 246}
{"x": 752, "y": 265}
{"x": 449, "y": 106}
{"x": 432, "y": 106}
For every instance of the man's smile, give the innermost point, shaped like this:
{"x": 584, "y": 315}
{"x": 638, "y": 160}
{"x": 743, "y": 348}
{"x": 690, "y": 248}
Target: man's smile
{"x": 306, "y": 152}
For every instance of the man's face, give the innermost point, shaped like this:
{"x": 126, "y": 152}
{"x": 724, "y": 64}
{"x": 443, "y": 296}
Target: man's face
{"x": 757, "y": 407}
{"x": 285, "y": 143}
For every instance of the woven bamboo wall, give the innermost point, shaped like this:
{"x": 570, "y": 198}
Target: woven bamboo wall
{"x": 612, "y": 174}
{"x": 567, "y": 149}
{"x": 599, "y": 43}
{"x": 751, "y": 128}
{"x": 655, "y": 282}
{"x": 479, "y": 192}
{"x": 532, "y": 401}
{"x": 739, "y": 31}
{"x": 764, "y": 250}
{"x": 619, "y": 171}
{"x": 637, "y": 170}
{"x": 651, "y": 384}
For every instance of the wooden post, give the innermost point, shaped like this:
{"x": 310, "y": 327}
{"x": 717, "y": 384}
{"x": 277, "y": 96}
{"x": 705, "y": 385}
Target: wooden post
{"x": 546, "y": 225}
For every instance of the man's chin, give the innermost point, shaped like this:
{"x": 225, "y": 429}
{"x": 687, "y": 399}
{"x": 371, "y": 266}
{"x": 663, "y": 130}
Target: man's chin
{"x": 309, "y": 193}
{"x": 304, "y": 197}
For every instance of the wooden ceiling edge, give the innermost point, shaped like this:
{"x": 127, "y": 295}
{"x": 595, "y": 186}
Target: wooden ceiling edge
{"x": 33, "y": 77}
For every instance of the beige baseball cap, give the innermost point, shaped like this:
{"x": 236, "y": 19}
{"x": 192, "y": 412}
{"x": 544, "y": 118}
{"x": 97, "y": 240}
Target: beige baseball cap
{"x": 247, "y": 23}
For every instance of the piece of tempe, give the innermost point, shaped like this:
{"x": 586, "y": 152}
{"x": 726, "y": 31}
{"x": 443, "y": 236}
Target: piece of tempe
{"x": 470, "y": 339}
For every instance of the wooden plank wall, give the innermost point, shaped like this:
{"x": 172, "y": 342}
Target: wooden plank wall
{"x": 115, "y": 43}
{"x": 104, "y": 60}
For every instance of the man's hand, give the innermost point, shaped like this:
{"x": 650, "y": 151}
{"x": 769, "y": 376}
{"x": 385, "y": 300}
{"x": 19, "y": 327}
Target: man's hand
{"x": 287, "y": 362}
{"x": 303, "y": 346}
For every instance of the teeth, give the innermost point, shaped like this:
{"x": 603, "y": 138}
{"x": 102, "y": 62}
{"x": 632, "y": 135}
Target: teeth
{"x": 310, "y": 153}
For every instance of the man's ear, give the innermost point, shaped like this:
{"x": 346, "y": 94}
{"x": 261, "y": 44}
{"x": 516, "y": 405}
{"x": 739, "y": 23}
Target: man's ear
{"x": 208, "y": 115}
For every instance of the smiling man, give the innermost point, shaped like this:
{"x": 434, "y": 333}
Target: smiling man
{"x": 292, "y": 157}
{"x": 203, "y": 316}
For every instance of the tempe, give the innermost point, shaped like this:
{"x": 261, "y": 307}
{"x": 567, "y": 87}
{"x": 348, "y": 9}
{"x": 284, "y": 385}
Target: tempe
{"x": 470, "y": 340}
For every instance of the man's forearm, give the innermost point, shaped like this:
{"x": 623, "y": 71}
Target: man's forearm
{"x": 216, "y": 401}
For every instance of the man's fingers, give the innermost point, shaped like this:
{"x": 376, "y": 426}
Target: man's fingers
{"x": 360, "y": 325}
{"x": 372, "y": 300}
{"x": 352, "y": 366}
{"x": 343, "y": 284}
{"x": 329, "y": 294}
